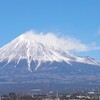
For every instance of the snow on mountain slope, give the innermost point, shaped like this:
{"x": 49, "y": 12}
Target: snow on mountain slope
{"x": 31, "y": 49}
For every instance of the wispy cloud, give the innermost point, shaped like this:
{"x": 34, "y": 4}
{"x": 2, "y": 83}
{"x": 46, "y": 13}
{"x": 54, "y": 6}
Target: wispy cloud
{"x": 98, "y": 32}
{"x": 64, "y": 43}
{"x": 93, "y": 46}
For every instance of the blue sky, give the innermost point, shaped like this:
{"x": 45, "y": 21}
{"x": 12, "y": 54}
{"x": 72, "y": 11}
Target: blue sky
{"x": 79, "y": 19}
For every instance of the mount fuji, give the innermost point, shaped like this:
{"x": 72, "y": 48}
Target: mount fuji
{"x": 27, "y": 63}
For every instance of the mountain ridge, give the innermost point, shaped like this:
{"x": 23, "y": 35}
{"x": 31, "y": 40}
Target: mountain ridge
{"x": 30, "y": 48}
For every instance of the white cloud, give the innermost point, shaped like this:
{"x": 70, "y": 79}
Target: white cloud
{"x": 64, "y": 43}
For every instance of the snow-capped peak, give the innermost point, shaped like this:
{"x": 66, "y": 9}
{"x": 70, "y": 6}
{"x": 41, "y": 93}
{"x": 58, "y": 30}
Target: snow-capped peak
{"x": 30, "y": 47}
{"x": 26, "y": 47}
